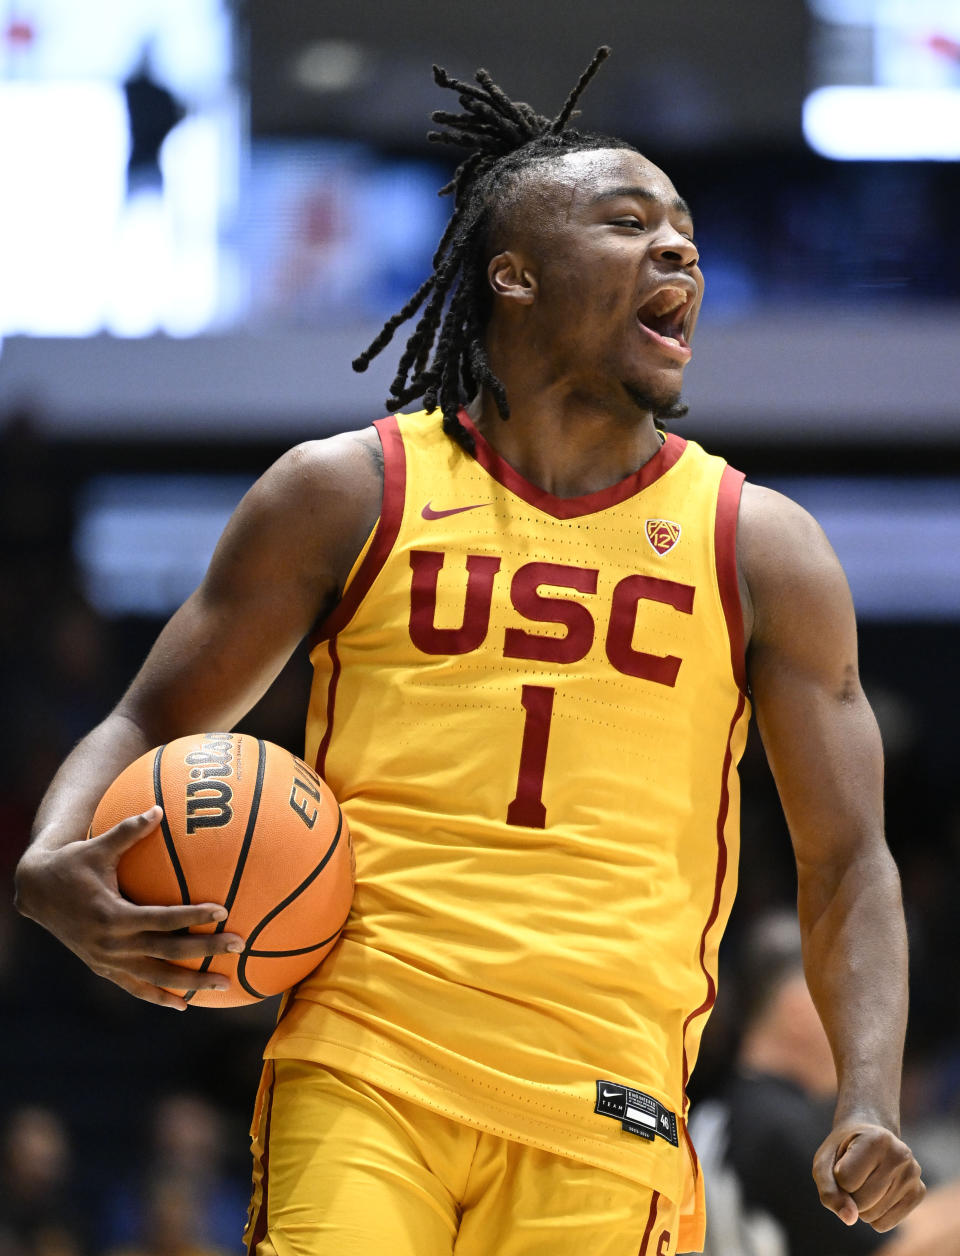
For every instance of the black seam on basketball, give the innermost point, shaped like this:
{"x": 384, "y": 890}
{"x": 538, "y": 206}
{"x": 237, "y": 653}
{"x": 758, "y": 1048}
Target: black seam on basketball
{"x": 165, "y": 830}
{"x": 304, "y": 950}
{"x": 244, "y": 849}
{"x": 259, "y": 928}
{"x": 248, "y": 835}
{"x": 241, "y": 977}
{"x": 301, "y": 950}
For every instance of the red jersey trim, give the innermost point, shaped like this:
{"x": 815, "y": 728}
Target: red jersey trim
{"x": 725, "y": 550}
{"x": 332, "y": 683}
{"x": 573, "y": 507}
{"x": 694, "y": 1158}
{"x": 388, "y": 527}
{"x": 651, "y": 1218}
{"x": 257, "y": 1218}
{"x": 722, "y": 812}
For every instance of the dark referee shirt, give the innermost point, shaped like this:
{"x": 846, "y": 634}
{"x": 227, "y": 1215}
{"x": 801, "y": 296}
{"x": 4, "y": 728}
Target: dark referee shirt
{"x": 774, "y": 1130}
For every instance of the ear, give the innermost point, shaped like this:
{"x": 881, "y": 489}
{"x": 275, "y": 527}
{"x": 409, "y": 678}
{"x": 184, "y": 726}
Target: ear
{"x": 510, "y": 277}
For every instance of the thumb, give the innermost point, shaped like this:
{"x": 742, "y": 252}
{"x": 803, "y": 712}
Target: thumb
{"x": 833, "y": 1196}
{"x": 848, "y": 1212}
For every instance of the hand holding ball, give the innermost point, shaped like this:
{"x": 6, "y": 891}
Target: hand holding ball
{"x": 248, "y": 825}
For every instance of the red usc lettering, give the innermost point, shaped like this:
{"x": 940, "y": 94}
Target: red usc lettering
{"x": 423, "y": 604}
{"x": 627, "y": 596}
{"x": 528, "y": 601}
{"x": 663, "y": 1247}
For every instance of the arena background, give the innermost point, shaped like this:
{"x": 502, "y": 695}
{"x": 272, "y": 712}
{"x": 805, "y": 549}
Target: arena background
{"x": 208, "y": 208}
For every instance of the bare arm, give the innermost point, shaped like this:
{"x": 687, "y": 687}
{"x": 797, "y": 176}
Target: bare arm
{"x": 824, "y": 750}
{"x": 278, "y": 568}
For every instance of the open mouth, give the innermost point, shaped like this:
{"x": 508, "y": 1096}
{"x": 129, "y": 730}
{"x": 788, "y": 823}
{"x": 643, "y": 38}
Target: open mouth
{"x": 663, "y": 317}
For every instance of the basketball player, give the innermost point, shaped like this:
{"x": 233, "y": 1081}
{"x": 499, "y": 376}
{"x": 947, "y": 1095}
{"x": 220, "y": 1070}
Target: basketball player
{"x": 539, "y": 625}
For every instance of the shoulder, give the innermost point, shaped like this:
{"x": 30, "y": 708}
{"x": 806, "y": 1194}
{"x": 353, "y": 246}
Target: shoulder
{"x": 775, "y": 527}
{"x": 350, "y": 460}
{"x": 787, "y": 564}
{"x": 336, "y": 482}
{"x": 309, "y": 514}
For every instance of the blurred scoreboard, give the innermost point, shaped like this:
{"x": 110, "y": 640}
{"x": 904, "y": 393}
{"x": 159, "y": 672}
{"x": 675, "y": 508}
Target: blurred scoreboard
{"x": 136, "y": 204}
{"x": 887, "y": 75}
{"x": 119, "y": 147}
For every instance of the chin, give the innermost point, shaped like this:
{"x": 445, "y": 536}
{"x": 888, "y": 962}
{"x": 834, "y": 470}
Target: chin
{"x": 662, "y": 405}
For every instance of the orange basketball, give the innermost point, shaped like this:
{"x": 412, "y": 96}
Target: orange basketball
{"x": 249, "y": 825}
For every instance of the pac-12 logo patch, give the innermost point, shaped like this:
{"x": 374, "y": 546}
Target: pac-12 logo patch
{"x": 663, "y": 534}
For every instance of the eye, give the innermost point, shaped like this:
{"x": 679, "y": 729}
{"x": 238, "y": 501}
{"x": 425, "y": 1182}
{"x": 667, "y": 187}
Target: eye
{"x": 631, "y": 221}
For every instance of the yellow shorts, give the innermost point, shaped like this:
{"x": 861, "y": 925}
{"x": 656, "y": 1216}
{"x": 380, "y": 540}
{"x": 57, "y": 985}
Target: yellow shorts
{"x": 344, "y": 1168}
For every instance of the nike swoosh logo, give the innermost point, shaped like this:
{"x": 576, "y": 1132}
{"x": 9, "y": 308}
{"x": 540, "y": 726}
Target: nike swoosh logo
{"x": 613, "y": 1094}
{"x": 429, "y": 513}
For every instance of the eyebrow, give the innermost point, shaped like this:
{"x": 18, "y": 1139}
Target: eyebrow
{"x": 643, "y": 194}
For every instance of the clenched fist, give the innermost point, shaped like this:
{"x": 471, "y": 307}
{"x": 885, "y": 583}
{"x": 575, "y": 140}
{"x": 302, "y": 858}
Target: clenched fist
{"x": 864, "y": 1170}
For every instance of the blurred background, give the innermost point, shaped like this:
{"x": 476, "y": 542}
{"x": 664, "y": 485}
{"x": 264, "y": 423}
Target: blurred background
{"x": 208, "y": 208}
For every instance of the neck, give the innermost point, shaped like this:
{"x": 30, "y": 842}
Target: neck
{"x": 566, "y": 442}
{"x": 569, "y": 432}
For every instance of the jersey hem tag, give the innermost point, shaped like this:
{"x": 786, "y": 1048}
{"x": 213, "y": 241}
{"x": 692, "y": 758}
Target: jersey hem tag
{"x": 637, "y": 1113}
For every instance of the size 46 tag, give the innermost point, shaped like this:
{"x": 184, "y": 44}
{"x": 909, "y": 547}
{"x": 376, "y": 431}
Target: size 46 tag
{"x": 637, "y": 1113}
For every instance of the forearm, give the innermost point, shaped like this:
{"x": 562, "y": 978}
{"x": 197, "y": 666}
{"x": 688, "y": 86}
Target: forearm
{"x": 67, "y": 808}
{"x": 855, "y": 956}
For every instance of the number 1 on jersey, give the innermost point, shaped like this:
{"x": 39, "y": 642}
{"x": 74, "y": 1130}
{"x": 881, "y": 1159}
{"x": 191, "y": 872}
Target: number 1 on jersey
{"x": 527, "y": 807}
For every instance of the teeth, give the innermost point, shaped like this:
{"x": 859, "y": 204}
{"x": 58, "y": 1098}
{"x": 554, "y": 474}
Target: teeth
{"x": 665, "y": 302}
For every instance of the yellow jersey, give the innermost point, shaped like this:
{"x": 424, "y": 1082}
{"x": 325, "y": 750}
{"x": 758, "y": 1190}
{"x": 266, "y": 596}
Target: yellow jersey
{"x": 531, "y": 709}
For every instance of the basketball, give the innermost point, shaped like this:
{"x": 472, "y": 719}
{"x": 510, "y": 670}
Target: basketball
{"x": 249, "y": 825}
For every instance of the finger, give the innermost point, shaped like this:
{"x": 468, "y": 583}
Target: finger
{"x": 155, "y": 972}
{"x": 900, "y": 1209}
{"x": 181, "y": 946}
{"x": 871, "y": 1167}
{"x": 128, "y": 832}
{"x": 861, "y": 1158}
{"x": 845, "y": 1208}
{"x": 897, "y": 1183}
{"x": 127, "y": 932}
{"x": 173, "y": 919}
{"x": 832, "y": 1196}
{"x": 880, "y": 1193}
{"x": 150, "y": 994}
{"x": 871, "y": 1194}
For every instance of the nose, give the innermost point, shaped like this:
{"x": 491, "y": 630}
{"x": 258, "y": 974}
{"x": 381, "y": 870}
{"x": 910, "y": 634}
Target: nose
{"x": 675, "y": 248}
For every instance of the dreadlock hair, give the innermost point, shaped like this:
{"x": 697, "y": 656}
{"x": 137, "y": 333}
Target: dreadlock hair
{"x": 505, "y": 138}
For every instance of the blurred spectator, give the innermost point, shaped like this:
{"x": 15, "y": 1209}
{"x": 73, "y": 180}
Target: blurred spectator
{"x": 172, "y": 1223}
{"x": 37, "y": 1215}
{"x": 185, "y": 1202}
{"x": 757, "y": 1141}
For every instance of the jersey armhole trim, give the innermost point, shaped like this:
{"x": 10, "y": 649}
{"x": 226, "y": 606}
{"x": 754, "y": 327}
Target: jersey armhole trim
{"x": 725, "y": 553}
{"x": 384, "y": 536}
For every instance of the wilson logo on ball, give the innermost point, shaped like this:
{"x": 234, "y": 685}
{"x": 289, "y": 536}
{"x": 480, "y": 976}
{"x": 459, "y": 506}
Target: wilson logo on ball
{"x": 274, "y": 850}
{"x": 208, "y": 799}
{"x": 208, "y": 805}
